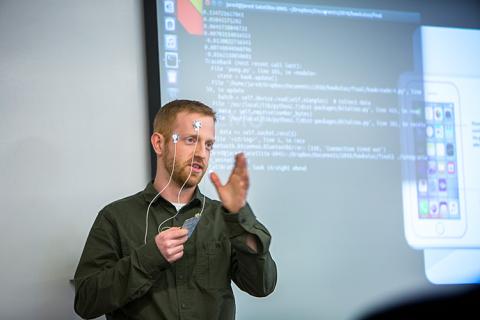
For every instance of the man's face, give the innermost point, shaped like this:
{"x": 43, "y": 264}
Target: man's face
{"x": 191, "y": 145}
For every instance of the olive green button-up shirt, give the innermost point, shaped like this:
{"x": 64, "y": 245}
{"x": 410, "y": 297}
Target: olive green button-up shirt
{"x": 121, "y": 276}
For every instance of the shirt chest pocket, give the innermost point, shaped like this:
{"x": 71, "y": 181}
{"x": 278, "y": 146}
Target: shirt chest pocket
{"x": 213, "y": 268}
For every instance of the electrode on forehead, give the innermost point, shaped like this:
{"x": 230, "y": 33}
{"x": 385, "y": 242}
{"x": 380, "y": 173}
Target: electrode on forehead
{"x": 175, "y": 137}
{"x": 197, "y": 124}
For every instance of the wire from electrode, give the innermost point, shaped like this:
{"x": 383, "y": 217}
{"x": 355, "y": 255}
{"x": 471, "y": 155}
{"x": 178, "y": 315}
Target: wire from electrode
{"x": 189, "y": 175}
{"x": 175, "y": 138}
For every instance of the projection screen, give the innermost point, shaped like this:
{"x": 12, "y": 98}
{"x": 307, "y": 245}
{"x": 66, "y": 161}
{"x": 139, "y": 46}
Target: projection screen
{"x": 361, "y": 127}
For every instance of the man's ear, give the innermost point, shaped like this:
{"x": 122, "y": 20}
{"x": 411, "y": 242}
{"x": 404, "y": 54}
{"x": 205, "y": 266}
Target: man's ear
{"x": 157, "y": 140}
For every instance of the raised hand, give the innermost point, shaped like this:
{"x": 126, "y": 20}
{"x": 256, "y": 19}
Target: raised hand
{"x": 234, "y": 193}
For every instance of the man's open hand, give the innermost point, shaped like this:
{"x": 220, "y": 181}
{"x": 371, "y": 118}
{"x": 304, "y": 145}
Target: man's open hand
{"x": 234, "y": 193}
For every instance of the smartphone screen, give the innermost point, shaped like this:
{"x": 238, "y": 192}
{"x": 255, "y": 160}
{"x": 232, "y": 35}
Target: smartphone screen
{"x": 437, "y": 178}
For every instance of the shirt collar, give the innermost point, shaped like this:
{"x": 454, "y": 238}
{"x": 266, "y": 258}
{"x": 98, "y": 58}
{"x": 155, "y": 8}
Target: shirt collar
{"x": 150, "y": 192}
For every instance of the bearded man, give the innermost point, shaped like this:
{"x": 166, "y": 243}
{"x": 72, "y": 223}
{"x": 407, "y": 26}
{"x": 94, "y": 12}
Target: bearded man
{"x": 169, "y": 252}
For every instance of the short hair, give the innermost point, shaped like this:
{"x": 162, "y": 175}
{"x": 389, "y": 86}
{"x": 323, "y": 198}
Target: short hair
{"x": 166, "y": 115}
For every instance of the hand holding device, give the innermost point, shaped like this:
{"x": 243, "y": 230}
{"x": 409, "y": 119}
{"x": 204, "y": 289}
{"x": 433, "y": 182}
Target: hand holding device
{"x": 170, "y": 243}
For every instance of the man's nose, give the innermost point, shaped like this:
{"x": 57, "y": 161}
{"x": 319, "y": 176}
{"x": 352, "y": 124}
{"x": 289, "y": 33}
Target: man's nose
{"x": 201, "y": 151}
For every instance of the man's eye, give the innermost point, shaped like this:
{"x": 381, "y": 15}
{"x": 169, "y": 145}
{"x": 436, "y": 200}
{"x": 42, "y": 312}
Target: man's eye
{"x": 209, "y": 146}
{"x": 190, "y": 140}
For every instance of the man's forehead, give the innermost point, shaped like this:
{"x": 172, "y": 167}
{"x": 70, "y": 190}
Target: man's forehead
{"x": 186, "y": 121}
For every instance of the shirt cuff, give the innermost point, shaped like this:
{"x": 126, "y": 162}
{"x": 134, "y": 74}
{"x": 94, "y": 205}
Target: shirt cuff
{"x": 150, "y": 259}
{"x": 242, "y": 222}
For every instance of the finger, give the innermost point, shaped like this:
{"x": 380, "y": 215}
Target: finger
{"x": 180, "y": 233}
{"x": 240, "y": 163}
{"x": 175, "y": 250}
{"x": 175, "y": 233}
{"x": 176, "y": 242}
{"x": 245, "y": 175}
{"x": 243, "y": 160}
{"x": 246, "y": 181}
{"x": 175, "y": 257}
{"x": 216, "y": 180}
{"x": 235, "y": 169}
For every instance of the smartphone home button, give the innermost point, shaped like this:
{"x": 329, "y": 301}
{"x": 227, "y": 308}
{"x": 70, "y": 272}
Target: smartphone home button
{"x": 439, "y": 228}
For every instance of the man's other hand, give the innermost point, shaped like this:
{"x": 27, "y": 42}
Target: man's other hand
{"x": 234, "y": 193}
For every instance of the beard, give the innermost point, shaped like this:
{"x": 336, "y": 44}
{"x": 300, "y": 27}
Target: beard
{"x": 182, "y": 170}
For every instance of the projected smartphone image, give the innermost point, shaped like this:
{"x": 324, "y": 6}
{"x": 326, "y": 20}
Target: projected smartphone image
{"x": 444, "y": 77}
{"x": 437, "y": 180}
{"x": 433, "y": 187}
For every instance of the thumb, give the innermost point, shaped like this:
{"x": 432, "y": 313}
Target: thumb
{"x": 215, "y": 180}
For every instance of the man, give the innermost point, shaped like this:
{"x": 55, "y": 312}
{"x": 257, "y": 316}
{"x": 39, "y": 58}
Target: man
{"x": 130, "y": 270}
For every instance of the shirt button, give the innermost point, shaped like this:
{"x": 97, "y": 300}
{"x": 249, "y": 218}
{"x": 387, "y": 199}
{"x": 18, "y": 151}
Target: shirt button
{"x": 180, "y": 277}
{"x": 184, "y": 305}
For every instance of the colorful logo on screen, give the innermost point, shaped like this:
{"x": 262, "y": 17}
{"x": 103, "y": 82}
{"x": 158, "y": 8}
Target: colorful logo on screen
{"x": 189, "y": 13}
